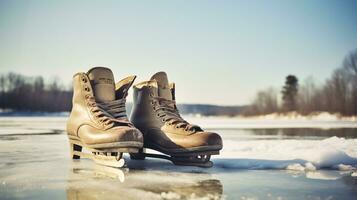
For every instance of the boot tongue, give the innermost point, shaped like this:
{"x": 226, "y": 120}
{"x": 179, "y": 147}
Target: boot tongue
{"x": 163, "y": 85}
{"x": 102, "y": 81}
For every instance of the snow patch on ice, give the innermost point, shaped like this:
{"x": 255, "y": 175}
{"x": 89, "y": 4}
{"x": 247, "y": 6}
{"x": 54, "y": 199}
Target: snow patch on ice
{"x": 322, "y": 176}
{"x": 299, "y": 155}
{"x": 296, "y": 167}
{"x": 342, "y": 167}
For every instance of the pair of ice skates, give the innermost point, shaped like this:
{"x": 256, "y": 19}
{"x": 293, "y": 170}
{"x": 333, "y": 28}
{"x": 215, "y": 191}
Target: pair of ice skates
{"x": 98, "y": 122}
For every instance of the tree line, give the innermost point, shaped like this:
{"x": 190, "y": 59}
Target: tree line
{"x": 22, "y": 93}
{"x": 338, "y": 94}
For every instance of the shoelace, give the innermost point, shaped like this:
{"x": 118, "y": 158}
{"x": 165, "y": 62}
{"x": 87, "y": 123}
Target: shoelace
{"x": 116, "y": 109}
{"x": 99, "y": 112}
{"x": 168, "y": 112}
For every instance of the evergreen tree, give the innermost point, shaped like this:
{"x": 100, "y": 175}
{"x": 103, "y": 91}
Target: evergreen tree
{"x": 289, "y": 92}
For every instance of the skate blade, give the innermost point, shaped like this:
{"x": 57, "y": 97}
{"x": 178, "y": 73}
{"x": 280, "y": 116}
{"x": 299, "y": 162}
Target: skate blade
{"x": 110, "y": 161}
{"x": 207, "y": 164}
{"x": 198, "y": 160}
{"x": 183, "y": 152}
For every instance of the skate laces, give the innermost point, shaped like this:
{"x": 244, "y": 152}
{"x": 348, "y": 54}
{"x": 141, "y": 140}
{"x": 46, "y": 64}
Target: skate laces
{"x": 116, "y": 108}
{"x": 167, "y": 111}
{"x": 99, "y": 112}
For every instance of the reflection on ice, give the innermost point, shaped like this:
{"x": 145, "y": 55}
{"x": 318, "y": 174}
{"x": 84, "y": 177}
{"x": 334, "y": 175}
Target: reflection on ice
{"x": 99, "y": 171}
{"x": 86, "y": 181}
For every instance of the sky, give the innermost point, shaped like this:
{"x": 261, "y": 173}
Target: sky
{"x": 217, "y": 52}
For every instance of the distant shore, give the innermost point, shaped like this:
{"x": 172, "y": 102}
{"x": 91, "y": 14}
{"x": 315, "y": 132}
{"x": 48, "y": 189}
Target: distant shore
{"x": 316, "y": 116}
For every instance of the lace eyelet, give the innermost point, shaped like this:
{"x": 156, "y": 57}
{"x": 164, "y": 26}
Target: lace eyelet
{"x": 158, "y": 114}
{"x": 152, "y": 102}
{"x": 87, "y": 96}
{"x": 84, "y": 80}
{"x": 177, "y": 127}
{"x": 87, "y": 89}
{"x": 163, "y": 120}
{"x": 151, "y": 94}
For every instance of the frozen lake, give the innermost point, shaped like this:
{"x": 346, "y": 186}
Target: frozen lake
{"x": 261, "y": 159}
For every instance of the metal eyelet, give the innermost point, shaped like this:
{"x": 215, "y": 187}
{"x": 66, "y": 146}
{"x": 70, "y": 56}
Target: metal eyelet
{"x": 84, "y": 79}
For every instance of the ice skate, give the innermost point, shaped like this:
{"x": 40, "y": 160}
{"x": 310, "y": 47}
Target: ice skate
{"x": 155, "y": 114}
{"x": 98, "y": 121}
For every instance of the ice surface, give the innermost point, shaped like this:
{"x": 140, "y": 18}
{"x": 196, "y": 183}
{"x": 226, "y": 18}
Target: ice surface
{"x": 267, "y": 163}
{"x": 247, "y": 152}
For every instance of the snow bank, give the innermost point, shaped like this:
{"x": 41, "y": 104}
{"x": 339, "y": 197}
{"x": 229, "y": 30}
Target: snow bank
{"x": 321, "y": 120}
{"x": 319, "y": 116}
{"x": 300, "y": 155}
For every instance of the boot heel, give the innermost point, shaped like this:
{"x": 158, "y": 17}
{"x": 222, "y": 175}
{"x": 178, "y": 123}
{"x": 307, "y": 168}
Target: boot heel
{"x": 138, "y": 156}
{"x": 75, "y": 150}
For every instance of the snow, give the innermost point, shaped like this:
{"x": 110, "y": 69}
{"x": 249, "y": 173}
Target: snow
{"x": 321, "y": 120}
{"x": 301, "y": 155}
{"x": 316, "y": 116}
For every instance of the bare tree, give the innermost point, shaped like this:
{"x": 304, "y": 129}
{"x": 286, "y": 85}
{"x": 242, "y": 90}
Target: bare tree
{"x": 23, "y": 93}
{"x": 306, "y": 96}
{"x": 265, "y": 102}
{"x": 350, "y": 66}
{"x": 336, "y": 90}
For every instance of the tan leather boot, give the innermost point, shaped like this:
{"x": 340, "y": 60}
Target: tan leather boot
{"x": 155, "y": 114}
{"x": 98, "y": 120}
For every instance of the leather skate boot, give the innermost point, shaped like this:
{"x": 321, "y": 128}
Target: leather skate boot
{"x": 98, "y": 120}
{"x": 155, "y": 114}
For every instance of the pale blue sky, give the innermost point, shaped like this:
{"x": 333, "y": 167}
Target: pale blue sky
{"x": 218, "y": 52}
